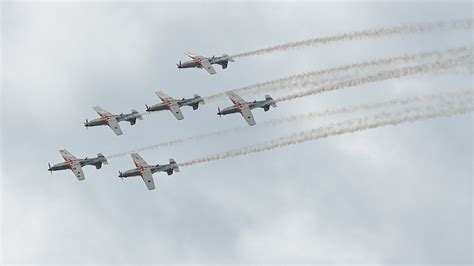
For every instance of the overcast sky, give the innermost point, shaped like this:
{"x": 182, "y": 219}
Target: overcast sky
{"x": 390, "y": 195}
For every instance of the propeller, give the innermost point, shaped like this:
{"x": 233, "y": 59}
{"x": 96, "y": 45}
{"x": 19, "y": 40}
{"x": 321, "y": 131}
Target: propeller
{"x": 49, "y": 169}
{"x": 120, "y": 175}
{"x": 147, "y": 108}
{"x": 86, "y": 123}
{"x": 219, "y": 112}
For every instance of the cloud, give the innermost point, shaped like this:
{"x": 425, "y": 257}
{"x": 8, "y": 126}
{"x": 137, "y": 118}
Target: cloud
{"x": 376, "y": 196}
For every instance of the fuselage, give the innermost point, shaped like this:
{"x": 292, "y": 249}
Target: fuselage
{"x": 130, "y": 117}
{"x": 189, "y": 64}
{"x": 153, "y": 168}
{"x": 165, "y": 105}
{"x": 236, "y": 108}
{"x": 220, "y": 60}
{"x": 97, "y": 162}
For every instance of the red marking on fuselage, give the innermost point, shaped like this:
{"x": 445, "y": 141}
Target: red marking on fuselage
{"x": 198, "y": 59}
{"x": 238, "y": 105}
{"x": 140, "y": 168}
{"x": 166, "y": 102}
{"x": 107, "y": 118}
{"x": 69, "y": 163}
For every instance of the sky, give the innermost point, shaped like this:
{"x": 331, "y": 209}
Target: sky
{"x": 398, "y": 194}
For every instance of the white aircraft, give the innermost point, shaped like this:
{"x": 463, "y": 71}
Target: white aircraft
{"x": 244, "y": 108}
{"x": 174, "y": 105}
{"x": 75, "y": 164}
{"x": 199, "y": 61}
{"x": 111, "y": 120}
{"x": 146, "y": 171}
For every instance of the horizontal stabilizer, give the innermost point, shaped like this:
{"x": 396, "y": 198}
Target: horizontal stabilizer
{"x": 174, "y": 165}
{"x": 202, "y": 100}
{"x": 139, "y": 116}
{"x": 104, "y": 160}
{"x": 229, "y": 58}
{"x": 269, "y": 98}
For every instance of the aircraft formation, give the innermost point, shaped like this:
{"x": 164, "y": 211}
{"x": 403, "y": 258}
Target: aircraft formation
{"x": 239, "y": 105}
{"x": 143, "y": 169}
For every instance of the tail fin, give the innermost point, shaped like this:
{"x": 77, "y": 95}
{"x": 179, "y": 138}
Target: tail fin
{"x": 269, "y": 98}
{"x": 101, "y": 156}
{"x": 140, "y": 117}
{"x": 174, "y": 165}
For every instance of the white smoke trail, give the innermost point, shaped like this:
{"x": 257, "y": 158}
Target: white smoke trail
{"x": 367, "y": 34}
{"x": 438, "y": 98}
{"x": 428, "y": 99}
{"x": 348, "y": 126}
{"x": 385, "y": 75}
{"x": 294, "y": 81}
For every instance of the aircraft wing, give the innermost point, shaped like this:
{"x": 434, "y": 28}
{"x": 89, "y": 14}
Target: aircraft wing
{"x": 235, "y": 98}
{"x": 67, "y": 155}
{"x": 174, "y": 108}
{"x": 110, "y": 119}
{"x": 207, "y": 66}
{"x": 147, "y": 177}
{"x": 138, "y": 160}
{"x": 163, "y": 96}
{"x": 191, "y": 55}
{"x": 172, "y": 104}
{"x": 101, "y": 111}
{"x": 113, "y": 124}
{"x": 247, "y": 114}
{"x": 77, "y": 170}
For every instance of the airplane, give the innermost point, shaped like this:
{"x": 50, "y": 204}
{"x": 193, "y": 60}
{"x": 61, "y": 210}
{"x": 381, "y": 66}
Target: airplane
{"x": 244, "y": 108}
{"x": 146, "y": 171}
{"x": 76, "y": 164}
{"x": 112, "y": 120}
{"x": 200, "y": 61}
{"x": 173, "y": 104}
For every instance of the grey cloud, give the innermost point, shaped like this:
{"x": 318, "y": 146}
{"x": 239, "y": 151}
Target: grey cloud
{"x": 390, "y": 195}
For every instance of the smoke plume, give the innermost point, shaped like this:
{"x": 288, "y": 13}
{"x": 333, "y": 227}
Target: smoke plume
{"x": 385, "y": 75}
{"x": 366, "y": 34}
{"x": 348, "y": 126}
